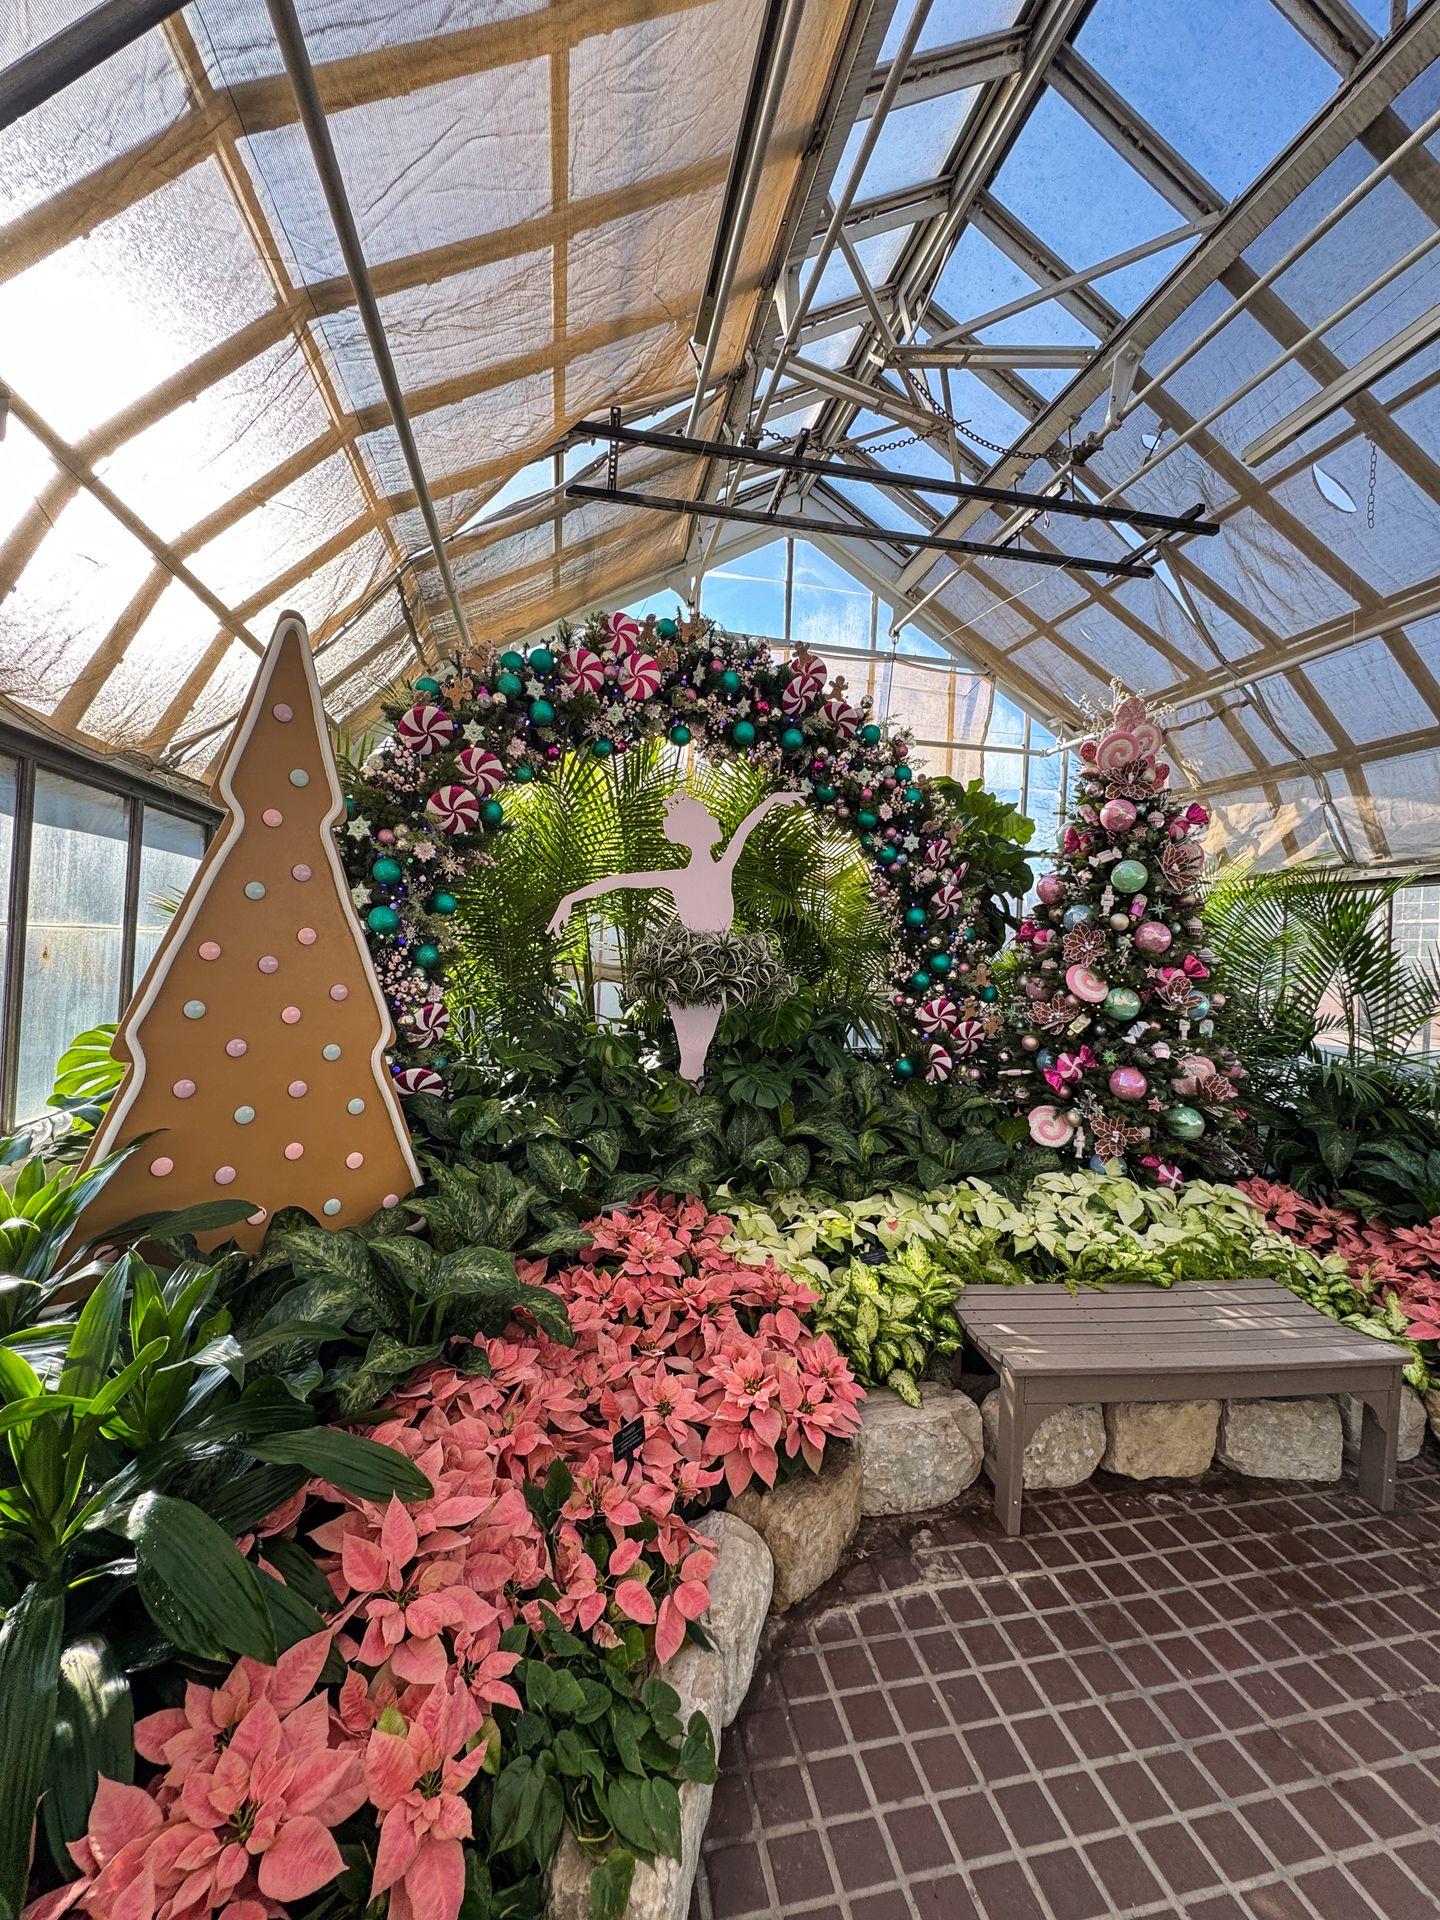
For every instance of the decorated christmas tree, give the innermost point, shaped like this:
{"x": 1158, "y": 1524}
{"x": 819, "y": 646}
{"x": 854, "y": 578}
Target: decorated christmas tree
{"x": 255, "y": 1044}
{"x": 1115, "y": 1002}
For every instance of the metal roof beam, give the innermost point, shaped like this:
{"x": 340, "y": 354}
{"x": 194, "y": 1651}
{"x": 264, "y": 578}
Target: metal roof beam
{"x": 991, "y": 354}
{"x": 1335, "y": 30}
{"x": 885, "y": 212}
{"x": 77, "y": 49}
{"x": 933, "y": 73}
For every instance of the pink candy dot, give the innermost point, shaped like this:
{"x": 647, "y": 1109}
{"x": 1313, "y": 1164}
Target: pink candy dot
{"x": 353, "y": 1160}
{"x": 183, "y": 1089}
{"x": 273, "y": 817}
{"x": 209, "y": 949}
{"x": 267, "y": 963}
{"x": 391, "y": 1200}
{"x": 290, "y": 1015}
{"x": 282, "y": 713}
{"x": 298, "y": 1089}
{"x": 235, "y": 1048}
{"x": 339, "y": 992}
{"x": 259, "y": 1218}
{"x": 161, "y": 1166}
{"x": 294, "y": 1150}
{"x": 306, "y": 936}
{"x": 300, "y": 872}
{"x": 223, "y": 1176}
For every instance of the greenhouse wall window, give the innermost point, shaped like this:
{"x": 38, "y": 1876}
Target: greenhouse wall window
{"x": 91, "y": 864}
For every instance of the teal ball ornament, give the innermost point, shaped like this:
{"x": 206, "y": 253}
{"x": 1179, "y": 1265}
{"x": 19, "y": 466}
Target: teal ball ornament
{"x": 603, "y": 749}
{"x": 870, "y": 735}
{"x": 426, "y": 685}
{"x": 742, "y": 733}
{"x": 443, "y": 903}
{"x": 730, "y": 680}
{"x": 867, "y": 839}
{"x": 914, "y": 796}
{"x": 792, "y": 739}
{"x": 1129, "y": 876}
{"x": 541, "y": 659}
{"x": 382, "y": 919}
{"x": 888, "y": 856}
{"x": 427, "y": 955}
{"x": 914, "y": 916}
{"x": 541, "y": 712}
{"x": 904, "y": 1068}
{"x": 867, "y": 819}
{"x": 510, "y": 684}
{"x": 667, "y": 628}
{"x": 1076, "y": 917}
{"x": 1184, "y": 1122}
{"x": 988, "y": 994}
{"x": 825, "y": 795}
{"x": 919, "y": 980}
{"x": 1199, "y": 1007}
{"x": 512, "y": 660}
{"x": 1121, "y": 1003}
{"x": 940, "y": 964}
{"x": 902, "y": 772}
{"x": 523, "y": 774}
{"x": 492, "y": 813}
{"x": 681, "y": 734}
{"x": 386, "y": 871}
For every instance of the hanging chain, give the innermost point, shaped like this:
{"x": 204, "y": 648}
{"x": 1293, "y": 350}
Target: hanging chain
{"x": 1370, "y": 488}
{"x": 944, "y": 419}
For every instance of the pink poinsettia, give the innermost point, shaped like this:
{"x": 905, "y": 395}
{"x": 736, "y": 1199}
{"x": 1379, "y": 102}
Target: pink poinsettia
{"x": 416, "y": 1779}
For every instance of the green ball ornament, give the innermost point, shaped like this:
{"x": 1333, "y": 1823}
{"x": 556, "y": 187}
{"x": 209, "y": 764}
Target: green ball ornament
{"x": 870, "y": 735}
{"x": 444, "y": 903}
{"x": 512, "y": 660}
{"x": 868, "y": 819}
{"x": 825, "y": 795}
{"x": 1185, "y": 1123}
{"x": 989, "y": 993}
{"x": 541, "y": 659}
{"x": 914, "y": 916}
{"x": 888, "y": 856}
{"x": 524, "y": 775}
{"x": 919, "y": 980}
{"x": 510, "y": 684}
{"x": 681, "y": 734}
{"x": 349, "y": 806}
{"x": 427, "y": 685}
{"x": 427, "y": 955}
{"x": 904, "y": 1069}
{"x": 902, "y": 772}
{"x": 730, "y": 680}
{"x": 940, "y": 964}
{"x": 792, "y": 739}
{"x": 1129, "y": 876}
{"x": 382, "y": 919}
{"x": 667, "y": 629}
{"x": 1121, "y": 1003}
{"x": 914, "y": 796}
{"x": 603, "y": 749}
{"x": 387, "y": 871}
{"x": 742, "y": 733}
{"x": 492, "y": 813}
{"x": 541, "y": 712}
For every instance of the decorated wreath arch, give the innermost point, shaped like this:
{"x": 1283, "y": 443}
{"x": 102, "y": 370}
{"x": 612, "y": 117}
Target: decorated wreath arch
{"x": 469, "y": 736}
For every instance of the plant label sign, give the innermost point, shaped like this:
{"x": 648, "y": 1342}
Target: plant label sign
{"x": 629, "y": 1439}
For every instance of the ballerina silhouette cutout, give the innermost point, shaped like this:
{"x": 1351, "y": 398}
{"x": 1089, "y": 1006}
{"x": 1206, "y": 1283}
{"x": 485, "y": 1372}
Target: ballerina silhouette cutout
{"x": 704, "y": 899}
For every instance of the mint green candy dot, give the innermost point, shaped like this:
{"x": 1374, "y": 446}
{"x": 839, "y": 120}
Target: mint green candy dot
{"x": 243, "y": 1116}
{"x": 331, "y": 1206}
{"x": 355, "y": 1106}
{"x": 332, "y": 1052}
{"x": 194, "y": 1009}
{"x": 299, "y": 777}
{"x": 254, "y": 889}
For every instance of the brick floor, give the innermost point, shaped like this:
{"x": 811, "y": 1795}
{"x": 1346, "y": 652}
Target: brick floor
{"x": 1220, "y": 1701}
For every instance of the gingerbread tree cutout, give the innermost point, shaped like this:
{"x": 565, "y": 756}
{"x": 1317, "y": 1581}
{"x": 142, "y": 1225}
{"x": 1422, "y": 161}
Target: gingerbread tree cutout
{"x": 255, "y": 1044}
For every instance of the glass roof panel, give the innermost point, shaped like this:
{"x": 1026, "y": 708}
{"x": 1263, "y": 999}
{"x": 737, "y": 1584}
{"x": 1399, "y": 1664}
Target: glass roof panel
{"x": 951, "y": 21}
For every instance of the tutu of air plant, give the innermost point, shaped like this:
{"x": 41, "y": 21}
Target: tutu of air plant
{"x": 681, "y": 967}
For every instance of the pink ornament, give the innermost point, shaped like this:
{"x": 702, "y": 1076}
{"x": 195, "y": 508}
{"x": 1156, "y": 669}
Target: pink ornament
{"x": 938, "y": 1015}
{"x": 1050, "y": 888}
{"x": 640, "y": 677}
{"x": 582, "y": 671}
{"x": 946, "y": 901}
{"x": 795, "y": 699}
{"x": 455, "y": 809}
{"x": 1128, "y": 1083}
{"x": 1086, "y": 984}
{"x": 1049, "y": 1127}
{"x": 624, "y": 631}
{"x": 1118, "y": 816}
{"x": 1152, "y": 936}
{"x": 386, "y": 837}
{"x": 426, "y": 729}
{"x": 807, "y": 679}
{"x": 1117, "y": 749}
{"x": 481, "y": 769}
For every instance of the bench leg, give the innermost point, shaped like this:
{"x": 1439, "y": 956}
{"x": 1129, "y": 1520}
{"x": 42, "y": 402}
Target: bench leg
{"x": 1379, "y": 1443}
{"x": 1010, "y": 1439}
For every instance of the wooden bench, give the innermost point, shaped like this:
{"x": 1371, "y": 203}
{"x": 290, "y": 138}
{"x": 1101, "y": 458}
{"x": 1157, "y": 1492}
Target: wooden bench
{"x": 1243, "y": 1340}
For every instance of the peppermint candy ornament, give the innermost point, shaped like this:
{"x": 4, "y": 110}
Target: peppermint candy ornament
{"x": 842, "y": 716}
{"x": 418, "y": 1080}
{"x": 796, "y": 699}
{"x": 427, "y": 729}
{"x": 583, "y": 671}
{"x": 483, "y": 769}
{"x": 968, "y": 1037}
{"x": 1148, "y": 738}
{"x": 624, "y": 632}
{"x": 940, "y": 1064}
{"x": 938, "y": 1015}
{"x": 946, "y": 901}
{"x": 807, "y": 679}
{"x": 640, "y": 677}
{"x": 1117, "y": 749}
{"x": 428, "y": 1021}
{"x": 455, "y": 809}
{"x": 1049, "y": 1127}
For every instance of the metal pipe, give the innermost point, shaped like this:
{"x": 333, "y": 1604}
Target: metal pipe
{"x": 752, "y": 141}
{"x": 879, "y": 476}
{"x": 67, "y": 56}
{"x": 837, "y": 530}
{"x": 322, "y": 150}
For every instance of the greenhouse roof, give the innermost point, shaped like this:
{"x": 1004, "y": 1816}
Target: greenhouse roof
{"x": 1126, "y": 251}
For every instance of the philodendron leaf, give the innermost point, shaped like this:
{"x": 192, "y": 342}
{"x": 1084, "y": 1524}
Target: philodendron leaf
{"x": 349, "y": 1461}
{"x": 94, "y": 1729}
{"x": 29, "y": 1676}
{"x": 198, "y": 1589}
